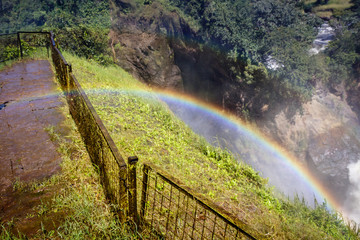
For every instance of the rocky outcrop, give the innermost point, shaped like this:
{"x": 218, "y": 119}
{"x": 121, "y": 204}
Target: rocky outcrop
{"x": 325, "y": 136}
{"x": 148, "y": 57}
{"x": 158, "y": 47}
{"x": 141, "y": 42}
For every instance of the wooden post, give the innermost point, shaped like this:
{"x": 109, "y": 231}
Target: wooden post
{"x": 132, "y": 194}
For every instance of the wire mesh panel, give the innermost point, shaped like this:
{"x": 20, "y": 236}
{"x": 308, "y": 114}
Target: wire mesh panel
{"x": 35, "y": 39}
{"x": 174, "y": 212}
{"x": 102, "y": 150}
{"x": 61, "y": 68}
{"x": 9, "y": 47}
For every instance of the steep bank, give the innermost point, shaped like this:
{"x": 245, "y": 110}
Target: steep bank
{"x": 319, "y": 132}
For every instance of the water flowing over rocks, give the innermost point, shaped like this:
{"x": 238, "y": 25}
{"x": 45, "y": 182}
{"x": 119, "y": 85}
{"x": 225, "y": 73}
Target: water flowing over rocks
{"x": 325, "y": 35}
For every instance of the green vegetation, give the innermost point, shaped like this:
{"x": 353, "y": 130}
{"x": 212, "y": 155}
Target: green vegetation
{"x": 248, "y": 31}
{"x": 244, "y": 34}
{"x": 141, "y": 125}
{"x": 344, "y": 51}
{"x": 81, "y": 27}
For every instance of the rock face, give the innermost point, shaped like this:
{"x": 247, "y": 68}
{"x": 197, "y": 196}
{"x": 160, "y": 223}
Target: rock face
{"x": 326, "y": 137}
{"x": 141, "y": 43}
{"x": 148, "y": 57}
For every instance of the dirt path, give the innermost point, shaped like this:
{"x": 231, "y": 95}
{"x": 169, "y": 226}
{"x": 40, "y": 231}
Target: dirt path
{"x": 29, "y": 102}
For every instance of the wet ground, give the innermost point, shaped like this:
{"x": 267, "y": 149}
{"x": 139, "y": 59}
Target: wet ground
{"x": 29, "y": 102}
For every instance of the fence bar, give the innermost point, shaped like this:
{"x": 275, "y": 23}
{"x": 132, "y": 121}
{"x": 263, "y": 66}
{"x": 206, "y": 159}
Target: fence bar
{"x": 100, "y": 146}
{"x": 132, "y": 193}
{"x": 144, "y": 193}
{"x": 20, "y": 46}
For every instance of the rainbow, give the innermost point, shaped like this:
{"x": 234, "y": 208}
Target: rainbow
{"x": 273, "y": 149}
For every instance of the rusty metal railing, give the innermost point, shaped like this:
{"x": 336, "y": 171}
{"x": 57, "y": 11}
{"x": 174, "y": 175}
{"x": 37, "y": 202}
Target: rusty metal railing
{"x": 20, "y": 44}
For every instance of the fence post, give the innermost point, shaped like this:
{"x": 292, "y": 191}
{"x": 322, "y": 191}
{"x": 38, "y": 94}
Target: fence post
{"x": 144, "y": 194}
{"x": 132, "y": 195}
{"x": 20, "y": 46}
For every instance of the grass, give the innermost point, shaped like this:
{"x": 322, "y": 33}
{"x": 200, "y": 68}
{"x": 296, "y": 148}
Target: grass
{"x": 331, "y": 8}
{"x": 142, "y": 125}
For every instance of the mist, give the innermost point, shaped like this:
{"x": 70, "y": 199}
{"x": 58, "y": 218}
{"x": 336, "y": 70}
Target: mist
{"x": 245, "y": 146}
{"x": 353, "y": 197}
{"x": 263, "y": 158}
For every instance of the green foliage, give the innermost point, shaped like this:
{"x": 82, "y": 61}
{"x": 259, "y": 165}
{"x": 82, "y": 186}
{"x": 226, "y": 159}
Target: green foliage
{"x": 81, "y": 26}
{"x": 344, "y": 51}
{"x": 36, "y": 14}
{"x": 85, "y": 41}
{"x": 10, "y": 52}
{"x": 250, "y": 31}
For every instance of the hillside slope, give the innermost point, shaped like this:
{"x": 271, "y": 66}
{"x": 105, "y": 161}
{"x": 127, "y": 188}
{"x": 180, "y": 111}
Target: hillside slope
{"x": 142, "y": 125}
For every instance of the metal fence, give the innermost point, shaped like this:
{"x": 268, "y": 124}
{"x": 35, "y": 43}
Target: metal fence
{"x": 22, "y": 44}
{"x": 175, "y": 211}
{"x": 167, "y": 207}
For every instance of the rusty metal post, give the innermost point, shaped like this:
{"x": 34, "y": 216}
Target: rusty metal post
{"x": 132, "y": 194}
{"x": 144, "y": 193}
{"x": 20, "y": 46}
{"x": 123, "y": 195}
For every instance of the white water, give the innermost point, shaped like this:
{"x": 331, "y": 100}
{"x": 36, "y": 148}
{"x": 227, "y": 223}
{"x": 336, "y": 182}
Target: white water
{"x": 325, "y": 34}
{"x": 353, "y": 198}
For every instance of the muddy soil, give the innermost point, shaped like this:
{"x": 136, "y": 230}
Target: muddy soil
{"x": 29, "y": 102}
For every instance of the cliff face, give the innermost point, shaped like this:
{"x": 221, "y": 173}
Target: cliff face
{"x": 148, "y": 57}
{"x": 141, "y": 42}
